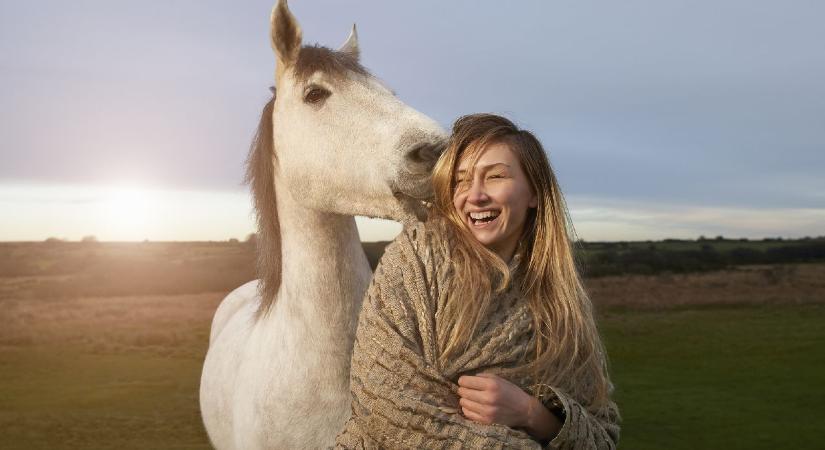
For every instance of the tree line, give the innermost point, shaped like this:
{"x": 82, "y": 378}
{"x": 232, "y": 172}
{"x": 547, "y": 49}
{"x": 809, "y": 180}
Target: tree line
{"x": 603, "y": 259}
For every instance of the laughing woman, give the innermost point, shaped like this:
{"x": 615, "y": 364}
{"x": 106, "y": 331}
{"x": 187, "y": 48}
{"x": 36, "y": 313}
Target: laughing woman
{"x": 476, "y": 330}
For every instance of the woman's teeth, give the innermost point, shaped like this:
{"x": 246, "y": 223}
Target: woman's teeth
{"x": 483, "y": 217}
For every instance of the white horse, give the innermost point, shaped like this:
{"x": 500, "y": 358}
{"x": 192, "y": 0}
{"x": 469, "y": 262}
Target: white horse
{"x": 333, "y": 143}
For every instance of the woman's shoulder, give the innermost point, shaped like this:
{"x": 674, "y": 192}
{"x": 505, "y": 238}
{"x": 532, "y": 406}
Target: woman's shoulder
{"x": 427, "y": 237}
{"x": 412, "y": 266}
{"x": 421, "y": 247}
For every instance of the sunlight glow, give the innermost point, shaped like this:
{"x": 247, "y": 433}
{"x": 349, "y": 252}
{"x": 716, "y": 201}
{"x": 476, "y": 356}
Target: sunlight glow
{"x": 129, "y": 211}
{"x": 123, "y": 212}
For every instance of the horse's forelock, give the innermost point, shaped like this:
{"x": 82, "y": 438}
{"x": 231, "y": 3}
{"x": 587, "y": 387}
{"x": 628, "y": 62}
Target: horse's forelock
{"x": 260, "y": 175}
{"x": 315, "y": 58}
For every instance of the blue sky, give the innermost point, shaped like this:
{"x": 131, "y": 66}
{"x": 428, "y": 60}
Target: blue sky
{"x": 661, "y": 118}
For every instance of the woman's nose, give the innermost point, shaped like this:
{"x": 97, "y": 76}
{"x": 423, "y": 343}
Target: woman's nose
{"x": 477, "y": 194}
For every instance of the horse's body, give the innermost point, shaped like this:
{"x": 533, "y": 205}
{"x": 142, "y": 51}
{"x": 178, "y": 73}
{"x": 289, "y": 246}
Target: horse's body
{"x": 334, "y": 143}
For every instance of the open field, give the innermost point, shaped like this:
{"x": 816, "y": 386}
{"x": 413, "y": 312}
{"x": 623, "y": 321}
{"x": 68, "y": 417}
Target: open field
{"x": 103, "y": 372}
{"x": 106, "y": 351}
{"x": 746, "y": 377}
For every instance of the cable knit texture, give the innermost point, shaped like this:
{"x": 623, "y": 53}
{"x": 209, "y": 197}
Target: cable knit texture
{"x": 402, "y": 399}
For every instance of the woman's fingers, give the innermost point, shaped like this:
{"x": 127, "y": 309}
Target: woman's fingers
{"x": 472, "y": 382}
{"x": 474, "y": 395}
{"x": 474, "y": 416}
{"x": 476, "y": 407}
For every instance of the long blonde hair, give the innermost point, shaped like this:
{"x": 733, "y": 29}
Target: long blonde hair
{"x": 569, "y": 351}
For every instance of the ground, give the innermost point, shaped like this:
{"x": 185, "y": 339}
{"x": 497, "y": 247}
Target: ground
{"x": 729, "y": 359}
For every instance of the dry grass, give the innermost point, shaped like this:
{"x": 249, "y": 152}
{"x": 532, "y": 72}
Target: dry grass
{"x": 790, "y": 284}
{"x": 72, "y": 269}
{"x": 84, "y": 370}
{"x": 164, "y": 325}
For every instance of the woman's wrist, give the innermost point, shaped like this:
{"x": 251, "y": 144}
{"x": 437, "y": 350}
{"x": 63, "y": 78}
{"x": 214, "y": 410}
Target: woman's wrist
{"x": 541, "y": 424}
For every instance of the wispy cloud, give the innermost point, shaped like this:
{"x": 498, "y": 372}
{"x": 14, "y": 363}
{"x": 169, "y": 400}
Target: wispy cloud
{"x": 605, "y": 219}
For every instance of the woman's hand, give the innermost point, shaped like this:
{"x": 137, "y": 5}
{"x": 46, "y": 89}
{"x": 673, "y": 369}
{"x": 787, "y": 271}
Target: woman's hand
{"x": 488, "y": 399}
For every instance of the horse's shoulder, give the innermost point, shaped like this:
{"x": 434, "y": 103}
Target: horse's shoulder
{"x": 244, "y": 295}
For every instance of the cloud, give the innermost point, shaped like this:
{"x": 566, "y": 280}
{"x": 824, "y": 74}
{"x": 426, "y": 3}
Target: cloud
{"x": 600, "y": 219}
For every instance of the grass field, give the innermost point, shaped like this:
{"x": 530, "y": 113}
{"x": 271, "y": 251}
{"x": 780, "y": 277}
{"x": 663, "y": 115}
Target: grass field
{"x": 728, "y": 360}
{"x": 747, "y": 377}
{"x": 120, "y": 372}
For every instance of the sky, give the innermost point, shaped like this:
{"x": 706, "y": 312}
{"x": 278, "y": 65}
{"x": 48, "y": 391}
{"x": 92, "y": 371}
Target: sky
{"x": 662, "y": 119}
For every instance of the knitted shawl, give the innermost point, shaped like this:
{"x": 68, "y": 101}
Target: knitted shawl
{"x": 402, "y": 398}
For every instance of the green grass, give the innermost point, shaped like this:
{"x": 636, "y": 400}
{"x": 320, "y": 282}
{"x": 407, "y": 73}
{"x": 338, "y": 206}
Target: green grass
{"x": 63, "y": 398}
{"x": 719, "y": 378}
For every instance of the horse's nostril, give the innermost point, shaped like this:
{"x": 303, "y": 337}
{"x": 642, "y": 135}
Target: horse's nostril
{"x": 425, "y": 153}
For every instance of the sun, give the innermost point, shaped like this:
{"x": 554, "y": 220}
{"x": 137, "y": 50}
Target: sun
{"x": 129, "y": 212}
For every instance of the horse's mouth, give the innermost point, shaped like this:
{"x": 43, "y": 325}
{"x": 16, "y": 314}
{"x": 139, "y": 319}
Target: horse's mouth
{"x": 413, "y": 185}
{"x": 417, "y": 207}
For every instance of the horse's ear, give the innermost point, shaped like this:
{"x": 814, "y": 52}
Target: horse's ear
{"x": 285, "y": 34}
{"x": 351, "y": 45}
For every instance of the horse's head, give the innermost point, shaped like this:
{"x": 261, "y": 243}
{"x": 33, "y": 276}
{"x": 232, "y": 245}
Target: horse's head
{"x": 343, "y": 141}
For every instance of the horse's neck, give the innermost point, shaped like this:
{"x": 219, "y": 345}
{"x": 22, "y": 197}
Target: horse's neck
{"x": 325, "y": 272}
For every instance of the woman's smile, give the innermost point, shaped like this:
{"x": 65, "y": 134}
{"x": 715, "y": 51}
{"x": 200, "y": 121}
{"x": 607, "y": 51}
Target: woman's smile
{"x": 483, "y": 219}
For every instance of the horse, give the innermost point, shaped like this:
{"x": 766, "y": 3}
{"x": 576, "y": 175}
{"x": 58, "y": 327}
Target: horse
{"x": 333, "y": 142}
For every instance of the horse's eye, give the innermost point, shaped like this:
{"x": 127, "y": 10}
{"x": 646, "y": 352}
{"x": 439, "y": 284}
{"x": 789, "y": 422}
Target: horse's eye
{"x": 316, "y": 94}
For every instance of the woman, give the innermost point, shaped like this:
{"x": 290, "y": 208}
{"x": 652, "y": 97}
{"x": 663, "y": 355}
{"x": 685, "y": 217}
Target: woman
{"x": 476, "y": 331}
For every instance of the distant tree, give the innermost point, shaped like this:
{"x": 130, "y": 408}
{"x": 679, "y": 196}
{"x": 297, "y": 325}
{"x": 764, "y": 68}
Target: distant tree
{"x": 233, "y": 240}
{"x": 702, "y": 238}
{"x": 88, "y": 238}
{"x": 720, "y": 238}
{"x": 53, "y": 239}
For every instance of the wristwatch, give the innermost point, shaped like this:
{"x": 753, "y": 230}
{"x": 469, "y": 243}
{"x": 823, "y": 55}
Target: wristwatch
{"x": 551, "y": 401}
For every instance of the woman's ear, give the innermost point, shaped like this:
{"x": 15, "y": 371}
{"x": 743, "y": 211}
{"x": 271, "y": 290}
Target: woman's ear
{"x": 534, "y": 201}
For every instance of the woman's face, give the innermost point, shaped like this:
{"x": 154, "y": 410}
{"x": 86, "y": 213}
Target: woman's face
{"x": 493, "y": 204}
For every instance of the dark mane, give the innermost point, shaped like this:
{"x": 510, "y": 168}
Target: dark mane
{"x": 260, "y": 176}
{"x": 317, "y": 58}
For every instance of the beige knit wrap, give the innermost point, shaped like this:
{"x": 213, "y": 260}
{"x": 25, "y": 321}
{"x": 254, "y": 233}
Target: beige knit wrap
{"x": 403, "y": 399}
